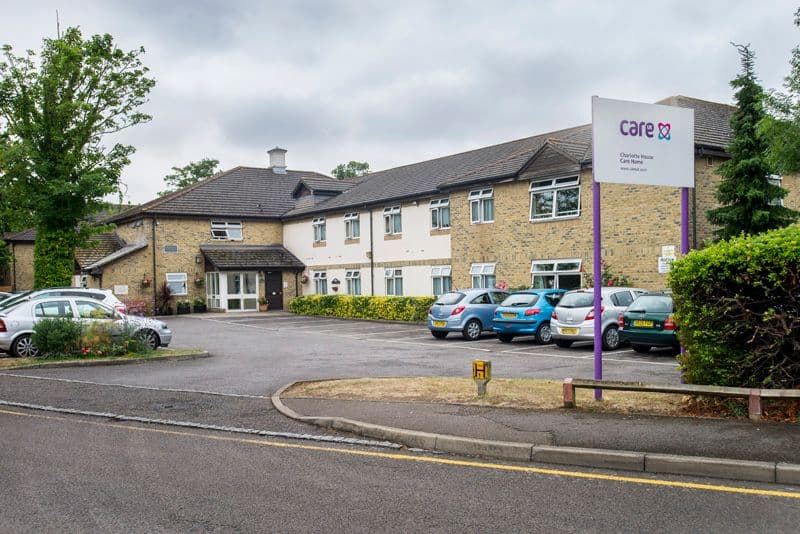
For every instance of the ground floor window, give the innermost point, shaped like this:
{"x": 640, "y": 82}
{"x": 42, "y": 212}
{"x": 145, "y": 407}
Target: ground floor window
{"x": 442, "y": 280}
{"x": 353, "y": 282}
{"x": 394, "y": 282}
{"x": 482, "y": 275}
{"x": 177, "y": 283}
{"x": 556, "y": 274}
{"x": 321, "y": 283}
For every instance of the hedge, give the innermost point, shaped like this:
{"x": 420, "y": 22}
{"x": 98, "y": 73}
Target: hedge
{"x": 738, "y": 311}
{"x": 358, "y": 307}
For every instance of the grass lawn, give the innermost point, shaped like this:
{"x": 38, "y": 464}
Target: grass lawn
{"x": 15, "y": 363}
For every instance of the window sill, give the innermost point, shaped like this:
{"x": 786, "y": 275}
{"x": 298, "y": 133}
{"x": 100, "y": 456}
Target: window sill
{"x": 556, "y": 219}
{"x": 440, "y": 231}
{"x": 392, "y": 237}
{"x": 482, "y": 222}
{"x": 319, "y": 244}
{"x": 352, "y": 241}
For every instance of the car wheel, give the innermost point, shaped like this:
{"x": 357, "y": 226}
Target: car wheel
{"x": 611, "y": 338}
{"x": 438, "y": 335}
{"x": 563, "y": 343}
{"x": 472, "y": 330}
{"x": 23, "y": 347}
{"x": 644, "y": 349}
{"x": 505, "y": 338}
{"x": 544, "y": 335}
{"x": 149, "y": 338}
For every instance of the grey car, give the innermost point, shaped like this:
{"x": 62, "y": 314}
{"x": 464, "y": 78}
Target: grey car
{"x": 573, "y": 318}
{"x": 469, "y": 311}
{"x": 103, "y": 295}
{"x": 17, "y": 322}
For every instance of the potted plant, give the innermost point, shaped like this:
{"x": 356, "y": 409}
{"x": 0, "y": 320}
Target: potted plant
{"x": 199, "y": 305}
{"x": 263, "y": 304}
{"x": 198, "y": 280}
{"x": 184, "y": 306}
{"x": 163, "y": 300}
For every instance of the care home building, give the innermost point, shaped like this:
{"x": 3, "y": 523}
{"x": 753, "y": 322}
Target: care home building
{"x": 518, "y": 213}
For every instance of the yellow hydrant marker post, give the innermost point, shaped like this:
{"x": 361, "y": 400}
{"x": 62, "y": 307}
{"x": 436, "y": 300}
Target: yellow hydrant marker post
{"x": 481, "y": 374}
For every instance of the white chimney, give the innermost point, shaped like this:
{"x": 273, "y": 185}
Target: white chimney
{"x": 277, "y": 160}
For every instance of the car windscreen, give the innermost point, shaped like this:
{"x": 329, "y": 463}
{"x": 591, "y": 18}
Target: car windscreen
{"x": 449, "y": 298}
{"x": 581, "y": 299}
{"x": 652, "y": 304}
{"x": 521, "y": 300}
{"x": 13, "y": 301}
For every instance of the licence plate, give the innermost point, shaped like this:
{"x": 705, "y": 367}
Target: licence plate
{"x": 439, "y": 324}
{"x": 569, "y": 331}
{"x": 642, "y": 324}
{"x": 509, "y": 315}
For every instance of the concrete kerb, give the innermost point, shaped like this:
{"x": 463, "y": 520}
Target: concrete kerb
{"x": 117, "y": 361}
{"x": 773, "y": 472}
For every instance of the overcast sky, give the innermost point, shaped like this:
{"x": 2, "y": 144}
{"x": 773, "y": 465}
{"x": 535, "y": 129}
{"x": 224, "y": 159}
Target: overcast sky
{"x": 391, "y": 82}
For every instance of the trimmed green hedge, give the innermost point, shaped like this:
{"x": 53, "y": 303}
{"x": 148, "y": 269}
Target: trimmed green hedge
{"x": 738, "y": 311}
{"x": 358, "y": 307}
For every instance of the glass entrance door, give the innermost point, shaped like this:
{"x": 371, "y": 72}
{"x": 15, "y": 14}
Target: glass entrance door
{"x": 241, "y": 291}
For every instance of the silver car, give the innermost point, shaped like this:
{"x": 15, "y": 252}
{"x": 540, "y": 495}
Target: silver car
{"x": 17, "y": 322}
{"x": 102, "y": 295}
{"x": 573, "y": 318}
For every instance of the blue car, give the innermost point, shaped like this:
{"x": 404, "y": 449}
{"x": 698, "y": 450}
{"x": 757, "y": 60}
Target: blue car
{"x": 527, "y": 313}
{"x": 468, "y": 311}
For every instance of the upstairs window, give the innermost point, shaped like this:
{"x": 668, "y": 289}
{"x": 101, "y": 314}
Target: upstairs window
{"x": 442, "y": 280}
{"x": 321, "y": 283}
{"x": 393, "y": 224}
{"x": 555, "y": 198}
{"x": 482, "y": 275}
{"x": 557, "y": 274}
{"x": 352, "y": 225}
{"x": 481, "y": 205}
{"x": 440, "y": 214}
{"x": 394, "y": 282}
{"x": 353, "y": 282}
{"x": 775, "y": 179}
{"x": 318, "y": 225}
{"x": 226, "y": 230}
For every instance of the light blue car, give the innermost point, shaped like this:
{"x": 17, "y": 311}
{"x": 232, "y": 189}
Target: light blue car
{"x": 527, "y": 313}
{"x": 469, "y": 311}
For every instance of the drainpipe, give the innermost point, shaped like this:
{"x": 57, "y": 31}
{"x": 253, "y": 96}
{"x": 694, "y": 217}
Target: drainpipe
{"x": 153, "y": 239}
{"x": 371, "y": 258}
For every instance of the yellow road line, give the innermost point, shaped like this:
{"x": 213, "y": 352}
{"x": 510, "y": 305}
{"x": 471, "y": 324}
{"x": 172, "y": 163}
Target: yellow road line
{"x": 432, "y": 460}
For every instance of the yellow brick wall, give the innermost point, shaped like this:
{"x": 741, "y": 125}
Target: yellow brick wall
{"x": 23, "y": 266}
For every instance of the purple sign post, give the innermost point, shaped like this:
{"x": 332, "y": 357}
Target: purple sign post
{"x": 640, "y": 144}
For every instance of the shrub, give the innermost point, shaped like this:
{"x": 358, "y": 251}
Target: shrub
{"x": 184, "y": 306}
{"x": 738, "y": 310}
{"x": 358, "y": 307}
{"x": 135, "y": 306}
{"x": 100, "y": 340}
{"x": 57, "y": 337}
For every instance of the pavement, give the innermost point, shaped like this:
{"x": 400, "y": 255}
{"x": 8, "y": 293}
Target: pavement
{"x": 722, "y": 448}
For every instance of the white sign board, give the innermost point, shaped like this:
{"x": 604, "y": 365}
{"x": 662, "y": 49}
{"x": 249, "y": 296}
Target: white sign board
{"x": 668, "y": 250}
{"x": 665, "y": 264}
{"x": 637, "y": 143}
{"x": 120, "y": 290}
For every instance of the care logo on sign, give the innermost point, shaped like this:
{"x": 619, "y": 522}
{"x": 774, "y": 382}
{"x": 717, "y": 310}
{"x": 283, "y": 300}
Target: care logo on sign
{"x": 634, "y": 128}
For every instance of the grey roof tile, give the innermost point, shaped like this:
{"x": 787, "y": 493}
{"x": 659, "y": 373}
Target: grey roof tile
{"x": 249, "y": 257}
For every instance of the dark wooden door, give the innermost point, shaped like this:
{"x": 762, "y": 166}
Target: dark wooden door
{"x": 273, "y": 281}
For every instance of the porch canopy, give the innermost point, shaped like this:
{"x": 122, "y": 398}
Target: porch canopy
{"x": 251, "y": 258}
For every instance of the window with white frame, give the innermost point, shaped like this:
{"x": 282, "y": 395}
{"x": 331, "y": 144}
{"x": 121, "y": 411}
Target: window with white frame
{"x": 177, "y": 283}
{"x": 321, "y": 283}
{"x": 556, "y": 274}
{"x": 442, "y": 280}
{"x": 440, "y": 214}
{"x": 481, "y": 205}
{"x": 353, "y": 282}
{"x": 394, "y": 282}
{"x": 482, "y": 274}
{"x": 775, "y": 179}
{"x": 352, "y": 225}
{"x": 393, "y": 224}
{"x": 226, "y": 230}
{"x": 319, "y": 227}
{"x": 555, "y": 198}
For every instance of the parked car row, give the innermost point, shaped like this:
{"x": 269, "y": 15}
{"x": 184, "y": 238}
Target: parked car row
{"x": 628, "y": 315}
{"x": 20, "y": 313}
